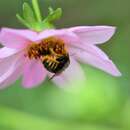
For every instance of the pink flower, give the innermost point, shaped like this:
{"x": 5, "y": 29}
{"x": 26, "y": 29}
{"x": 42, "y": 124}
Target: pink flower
{"x": 80, "y": 42}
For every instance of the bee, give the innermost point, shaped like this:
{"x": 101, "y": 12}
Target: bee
{"x": 56, "y": 63}
{"x": 52, "y": 53}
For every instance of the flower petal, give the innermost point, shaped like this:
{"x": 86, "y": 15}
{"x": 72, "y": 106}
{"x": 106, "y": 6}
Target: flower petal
{"x": 92, "y": 49}
{"x": 12, "y": 78}
{"x": 96, "y": 60}
{"x": 71, "y": 75}
{"x": 10, "y": 70}
{"x": 16, "y": 39}
{"x": 34, "y": 73}
{"x": 64, "y": 34}
{"x": 96, "y": 51}
{"x": 94, "y": 34}
{"x": 6, "y": 52}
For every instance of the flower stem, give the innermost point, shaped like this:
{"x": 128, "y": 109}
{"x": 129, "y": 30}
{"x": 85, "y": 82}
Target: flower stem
{"x": 37, "y": 10}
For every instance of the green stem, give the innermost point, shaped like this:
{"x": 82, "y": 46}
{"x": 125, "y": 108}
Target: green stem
{"x": 37, "y": 10}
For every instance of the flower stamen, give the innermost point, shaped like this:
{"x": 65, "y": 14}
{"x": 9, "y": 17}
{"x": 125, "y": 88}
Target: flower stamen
{"x": 49, "y": 46}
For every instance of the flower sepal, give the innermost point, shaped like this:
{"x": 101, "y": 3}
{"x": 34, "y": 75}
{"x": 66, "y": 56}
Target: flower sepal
{"x": 32, "y": 19}
{"x": 53, "y": 15}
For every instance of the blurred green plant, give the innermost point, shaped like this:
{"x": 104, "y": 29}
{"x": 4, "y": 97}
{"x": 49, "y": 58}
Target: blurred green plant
{"x": 16, "y": 120}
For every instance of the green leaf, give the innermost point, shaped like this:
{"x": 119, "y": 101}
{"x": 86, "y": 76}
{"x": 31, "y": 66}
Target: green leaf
{"x": 28, "y": 14}
{"x": 51, "y": 10}
{"x": 53, "y": 14}
{"x": 21, "y": 19}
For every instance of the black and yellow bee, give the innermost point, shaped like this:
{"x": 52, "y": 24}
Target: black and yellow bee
{"x": 52, "y": 53}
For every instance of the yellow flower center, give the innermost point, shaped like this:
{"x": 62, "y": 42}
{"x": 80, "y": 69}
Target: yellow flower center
{"x": 49, "y": 46}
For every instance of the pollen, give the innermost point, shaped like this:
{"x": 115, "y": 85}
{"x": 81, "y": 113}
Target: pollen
{"x": 48, "y": 46}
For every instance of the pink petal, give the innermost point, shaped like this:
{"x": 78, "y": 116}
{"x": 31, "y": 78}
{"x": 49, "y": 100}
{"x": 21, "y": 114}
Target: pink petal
{"x": 96, "y": 51}
{"x": 94, "y": 34}
{"x": 16, "y": 39}
{"x": 64, "y": 34}
{"x": 72, "y": 74}
{"x": 96, "y": 60}
{"x": 10, "y": 70}
{"x": 34, "y": 73}
{"x": 12, "y": 78}
{"x": 6, "y": 52}
{"x": 92, "y": 49}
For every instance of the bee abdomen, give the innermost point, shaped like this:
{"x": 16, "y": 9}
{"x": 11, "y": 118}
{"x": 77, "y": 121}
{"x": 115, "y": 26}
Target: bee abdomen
{"x": 50, "y": 65}
{"x": 56, "y": 65}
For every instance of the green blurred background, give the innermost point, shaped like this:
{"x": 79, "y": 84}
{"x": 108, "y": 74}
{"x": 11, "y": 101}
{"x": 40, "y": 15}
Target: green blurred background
{"x": 103, "y": 103}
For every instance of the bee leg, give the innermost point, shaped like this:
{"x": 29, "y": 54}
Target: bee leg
{"x": 52, "y": 51}
{"x": 43, "y": 58}
{"x": 52, "y": 77}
